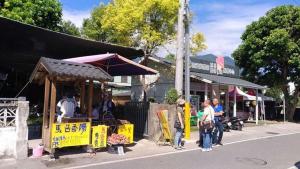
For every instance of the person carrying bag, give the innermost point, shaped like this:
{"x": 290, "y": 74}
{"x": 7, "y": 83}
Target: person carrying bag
{"x": 207, "y": 124}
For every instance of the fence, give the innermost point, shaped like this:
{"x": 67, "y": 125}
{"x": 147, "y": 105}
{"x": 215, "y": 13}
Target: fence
{"x": 137, "y": 114}
{"x": 8, "y": 110}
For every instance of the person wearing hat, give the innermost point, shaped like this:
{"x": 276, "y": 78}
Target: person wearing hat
{"x": 179, "y": 125}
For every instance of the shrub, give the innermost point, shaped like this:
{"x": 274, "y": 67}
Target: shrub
{"x": 172, "y": 96}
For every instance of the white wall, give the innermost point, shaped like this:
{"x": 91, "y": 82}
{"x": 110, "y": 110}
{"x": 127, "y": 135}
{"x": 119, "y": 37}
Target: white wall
{"x": 7, "y": 141}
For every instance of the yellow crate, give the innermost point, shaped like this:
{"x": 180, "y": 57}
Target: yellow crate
{"x": 127, "y": 131}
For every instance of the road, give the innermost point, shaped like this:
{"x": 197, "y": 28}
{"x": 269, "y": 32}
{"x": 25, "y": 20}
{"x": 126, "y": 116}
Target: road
{"x": 278, "y": 152}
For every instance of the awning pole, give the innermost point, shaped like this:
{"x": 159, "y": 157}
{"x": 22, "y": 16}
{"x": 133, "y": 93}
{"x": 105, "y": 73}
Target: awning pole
{"x": 284, "y": 109}
{"x": 256, "y": 108}
{"x": 205, "y": 92}
{"x": 234, "y": 102}
{"x": 263, "y": 108}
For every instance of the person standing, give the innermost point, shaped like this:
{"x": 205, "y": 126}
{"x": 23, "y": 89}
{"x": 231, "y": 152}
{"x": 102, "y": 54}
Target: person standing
{"x": 218, "y": 131}
{"x": 199, "y": 117}
{"x": 179, "y": 125}
{"x": 207, "y": 125}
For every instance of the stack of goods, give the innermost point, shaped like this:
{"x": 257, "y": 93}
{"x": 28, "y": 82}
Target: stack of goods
{"x": 115, "y": 139}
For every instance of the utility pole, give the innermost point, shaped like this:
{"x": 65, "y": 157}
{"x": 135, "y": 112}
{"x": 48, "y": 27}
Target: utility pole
{"x": 180, "y": 48}
{"x": 187, "y": 51}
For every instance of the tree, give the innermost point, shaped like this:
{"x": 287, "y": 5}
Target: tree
{"x": 135, "y": 23}
{"x": 270, "y": 52}
{"x": 197, "y": 43}
{"x": 70, "y": 28}
{"x": 42, "y": 13}
{"x": 171, "y": 58}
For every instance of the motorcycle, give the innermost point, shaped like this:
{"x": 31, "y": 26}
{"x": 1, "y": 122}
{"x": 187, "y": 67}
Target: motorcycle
{"x": 226, "y": 124}
{"x": 236, "y": 123}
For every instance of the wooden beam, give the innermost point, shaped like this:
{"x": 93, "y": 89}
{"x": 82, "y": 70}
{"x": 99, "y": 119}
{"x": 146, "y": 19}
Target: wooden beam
{"x": 46, "y": 107}
{"x": 82, "y": 95}
{"x": 52, "y": 107}
{"x": 90, "y": 100}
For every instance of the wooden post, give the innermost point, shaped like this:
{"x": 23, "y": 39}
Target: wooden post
{"x": 46, "y": 108}
{"x": 52, "y": 110}
{"x": 82, "y": 95}
{"x": 90, "y": 100}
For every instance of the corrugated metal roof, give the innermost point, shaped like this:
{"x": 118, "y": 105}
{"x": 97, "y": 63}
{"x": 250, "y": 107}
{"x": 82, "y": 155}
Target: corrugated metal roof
{"x": 68, "y": 71}
{"x": 225, "y": 80}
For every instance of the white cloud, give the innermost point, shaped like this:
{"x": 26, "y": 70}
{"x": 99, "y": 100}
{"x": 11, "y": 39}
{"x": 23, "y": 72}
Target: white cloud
{"x": 76, "y": 16}
{"x": 223, "y": 25}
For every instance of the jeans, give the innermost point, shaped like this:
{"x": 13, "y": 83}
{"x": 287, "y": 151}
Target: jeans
{"x": 207, "y": 139}
{"x": 218, "y": 132}
{"x": 200, "y": 137}
{"x": 177, "y": 139}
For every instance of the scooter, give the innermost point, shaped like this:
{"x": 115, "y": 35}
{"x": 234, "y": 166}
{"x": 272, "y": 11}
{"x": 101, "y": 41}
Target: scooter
{"x": 226, "y": 124}
{"x": 237, "y": 123}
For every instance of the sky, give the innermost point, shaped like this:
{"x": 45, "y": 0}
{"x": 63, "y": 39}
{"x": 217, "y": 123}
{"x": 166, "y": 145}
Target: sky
{"x": 221, "y": 21}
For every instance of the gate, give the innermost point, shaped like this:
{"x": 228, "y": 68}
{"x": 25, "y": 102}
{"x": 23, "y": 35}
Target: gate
{"x": 137, "y": 114}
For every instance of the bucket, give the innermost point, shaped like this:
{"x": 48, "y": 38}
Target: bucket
{"x": 38, "y": 151}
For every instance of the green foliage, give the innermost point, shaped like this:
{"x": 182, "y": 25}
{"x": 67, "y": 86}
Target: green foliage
{"x": 270, "y": 51}
{"x": 197, "y": 43}
{"x": 172, "y": 96}
{"x": 42, "y": 13}
{"x": 68, "y": 27}
{"x": 274, "y": 92}
{"x": 146, "y": 24}
{"x": 171, "y": 58}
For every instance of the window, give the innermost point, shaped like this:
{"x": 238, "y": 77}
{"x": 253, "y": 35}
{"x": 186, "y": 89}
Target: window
{"x": 124, "y": 79}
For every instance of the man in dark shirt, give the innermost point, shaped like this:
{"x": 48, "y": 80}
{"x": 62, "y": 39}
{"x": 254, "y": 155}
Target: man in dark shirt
{"x": 218, "y": 132}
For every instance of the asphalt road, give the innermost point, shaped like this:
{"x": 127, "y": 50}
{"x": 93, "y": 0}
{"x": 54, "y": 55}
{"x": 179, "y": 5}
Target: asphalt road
{"x": 280, "y": 152}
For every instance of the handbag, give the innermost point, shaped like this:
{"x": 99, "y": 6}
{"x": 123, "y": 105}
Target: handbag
{"x": 177, "y": 124}
{"x": 209, "y": 125}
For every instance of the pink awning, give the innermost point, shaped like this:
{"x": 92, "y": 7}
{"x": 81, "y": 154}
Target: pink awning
{"x": 115, "y": 64}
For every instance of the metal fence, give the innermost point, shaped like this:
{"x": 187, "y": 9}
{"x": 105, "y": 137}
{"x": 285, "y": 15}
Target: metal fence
{"x": 8, "y": 110}
{"x": 137, "y": 114}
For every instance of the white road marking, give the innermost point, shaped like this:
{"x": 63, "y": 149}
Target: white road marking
{"x": 173, "y": 152}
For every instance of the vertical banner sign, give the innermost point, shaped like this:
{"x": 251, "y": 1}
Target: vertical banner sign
{"x": 127, "y": 131}
{"x": 99, "y": 136}
{"x": 187, "y": 121}
{"x": 70, "y": 134}
{"x": 164, "y": 124}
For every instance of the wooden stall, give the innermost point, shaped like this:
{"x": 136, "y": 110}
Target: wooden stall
{"x": 71, "y": 131}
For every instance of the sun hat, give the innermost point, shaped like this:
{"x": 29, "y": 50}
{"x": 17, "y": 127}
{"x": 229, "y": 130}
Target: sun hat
{"x": 180, "y": 101}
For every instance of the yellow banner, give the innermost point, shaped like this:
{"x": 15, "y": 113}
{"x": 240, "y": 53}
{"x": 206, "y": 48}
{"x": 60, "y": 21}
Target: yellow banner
{"x": 126, "y": 130}
{"x": 70, "y": 134}
{"x": 187, "y": 121}
{"x": 164, "y": 124}
{"x": 99, "y": 136}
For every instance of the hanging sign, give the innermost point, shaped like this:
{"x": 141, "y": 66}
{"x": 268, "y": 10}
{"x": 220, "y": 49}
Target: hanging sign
{"x": 99, "y": 136}
{"x": 70, "y": 134}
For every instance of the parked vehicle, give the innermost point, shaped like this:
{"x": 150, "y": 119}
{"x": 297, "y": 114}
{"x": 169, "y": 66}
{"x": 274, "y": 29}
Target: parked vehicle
{"x": 237, "y": 123}
{"x": 226, "y": 124}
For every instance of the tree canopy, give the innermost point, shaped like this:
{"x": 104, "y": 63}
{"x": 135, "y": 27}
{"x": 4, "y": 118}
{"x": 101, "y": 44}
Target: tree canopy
{"x": 42, "y": 13}
{"x": 146, "y": 24}
{"x": 197, "y": 43}
{"x": 270, "y": 51}
{"x": 68, "y": 27}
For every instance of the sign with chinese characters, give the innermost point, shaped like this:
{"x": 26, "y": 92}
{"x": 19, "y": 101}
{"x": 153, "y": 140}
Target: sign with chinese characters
{"x": 127, "y": 131}
{"x": 70, "y": 134}
{"x": 99, "y": 136}
{"x": 218, "y": 67}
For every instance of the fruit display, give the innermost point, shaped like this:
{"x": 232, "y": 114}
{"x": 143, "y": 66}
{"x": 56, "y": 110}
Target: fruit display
{"x": 117, "y": 139}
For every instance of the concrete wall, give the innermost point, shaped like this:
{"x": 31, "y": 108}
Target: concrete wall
{"x": 8, "y": 140}
{"x": 14, "y": 140}
{"x": 154, "y": 130}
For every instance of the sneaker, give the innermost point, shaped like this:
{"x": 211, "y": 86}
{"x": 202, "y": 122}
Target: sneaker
{"x": 204, "y": 150}
{"x": 210, "y": 149}
{"x": 178, "y": 148}
{"x": 220, "y": 144}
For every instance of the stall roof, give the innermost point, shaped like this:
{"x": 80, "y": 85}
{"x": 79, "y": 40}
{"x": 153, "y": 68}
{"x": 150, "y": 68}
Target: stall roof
{"x": 115, "y": 64}
{"x": 67, "y": 71}
{"x": 225, "y": 80}
{"x": 22, "y": 45}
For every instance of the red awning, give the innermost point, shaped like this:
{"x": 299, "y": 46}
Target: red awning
{"x": 115, "y": 64}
